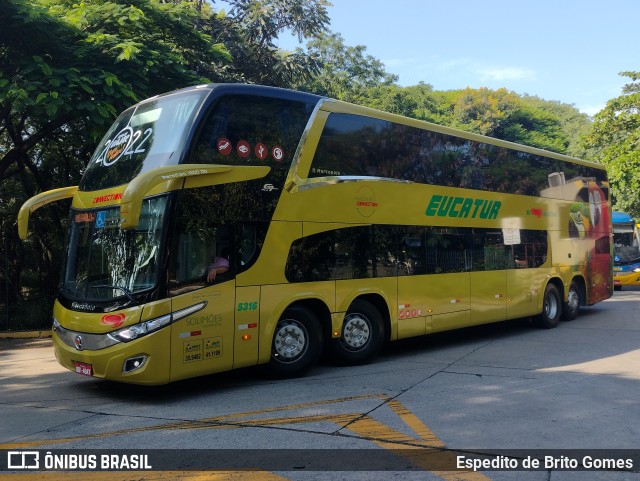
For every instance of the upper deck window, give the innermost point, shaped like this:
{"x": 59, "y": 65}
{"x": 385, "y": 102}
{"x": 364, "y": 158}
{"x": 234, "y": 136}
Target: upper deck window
{"x": 252, "y": 130}
{"x": 355, "y": 145}
{"x": 148, "y": 135}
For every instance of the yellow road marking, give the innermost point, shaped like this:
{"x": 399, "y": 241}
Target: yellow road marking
{"x": 411, "y": 448}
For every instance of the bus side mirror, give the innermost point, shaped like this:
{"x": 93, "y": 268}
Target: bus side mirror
{"x": 192, "y": 175}
{"x": 37, "y": 201}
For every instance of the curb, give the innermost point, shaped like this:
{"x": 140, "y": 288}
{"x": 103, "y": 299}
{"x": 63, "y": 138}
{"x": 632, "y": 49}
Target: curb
{"x": 26, "y": 334}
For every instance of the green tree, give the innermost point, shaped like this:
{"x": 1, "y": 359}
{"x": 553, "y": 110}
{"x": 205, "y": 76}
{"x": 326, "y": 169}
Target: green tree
{"x": 417, "y": 101}
{"x": 346, "y": 73}
{"x": 67, "y": 68}
{"x": 574, "y": 124}
{"x": 616, "y": 138}
{"x": 67, "y": 62}
{"x": 251, "y": 28}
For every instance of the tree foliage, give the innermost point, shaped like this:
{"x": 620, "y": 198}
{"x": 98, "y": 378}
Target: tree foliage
{"x": 346, "y": 73}
{"x": 616, "y": 137}
{"x": 67, "y": 68}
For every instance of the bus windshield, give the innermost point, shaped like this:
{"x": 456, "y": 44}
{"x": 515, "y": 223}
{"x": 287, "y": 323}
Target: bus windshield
{"x": 148, "y": 135}
{"x": 105, "y": 262}
{"x": 626, "y": 245}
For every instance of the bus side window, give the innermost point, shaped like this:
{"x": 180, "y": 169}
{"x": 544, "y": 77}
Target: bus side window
{"x": 199, "y": 236}
{"x": 191, "y": 256}
{"x": 249, "y": 238}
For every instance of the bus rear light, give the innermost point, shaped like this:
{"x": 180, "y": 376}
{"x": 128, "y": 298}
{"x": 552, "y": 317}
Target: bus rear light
{"x": 134, "y": 363}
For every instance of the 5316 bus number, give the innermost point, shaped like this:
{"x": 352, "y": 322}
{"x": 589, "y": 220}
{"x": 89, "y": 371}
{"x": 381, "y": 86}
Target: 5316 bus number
{"x": 247, "y": 306}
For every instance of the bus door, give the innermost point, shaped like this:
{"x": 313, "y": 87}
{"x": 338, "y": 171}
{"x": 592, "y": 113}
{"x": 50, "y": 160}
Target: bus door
{"x": 202, "y": 342}
{"x": 201, "y": 281}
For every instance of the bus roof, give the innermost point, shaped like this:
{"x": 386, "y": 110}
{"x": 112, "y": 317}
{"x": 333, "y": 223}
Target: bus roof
{"x": 621, "y": 217}
{"x": 346, "y": 107}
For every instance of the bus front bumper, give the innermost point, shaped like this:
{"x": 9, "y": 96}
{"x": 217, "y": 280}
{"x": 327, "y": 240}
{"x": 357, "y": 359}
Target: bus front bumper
{"x": 142, "y": 361}
{"x": 626, "y": 278}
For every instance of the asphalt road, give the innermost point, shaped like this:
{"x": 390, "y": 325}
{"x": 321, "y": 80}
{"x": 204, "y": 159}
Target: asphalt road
{"x": 410, "y": 415}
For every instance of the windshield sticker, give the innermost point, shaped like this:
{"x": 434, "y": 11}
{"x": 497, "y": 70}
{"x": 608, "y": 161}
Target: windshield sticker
{"x": 100, "y": 219}
{"x": 261, "y": 151}
{"x": 107, "y": 218}
{"x": 126, "y": 142}
{"x": 117, "y": 146}
{"x": 277, "y": 153}
{"x": 224, "y": 146}
{"x": 243, "y": 148}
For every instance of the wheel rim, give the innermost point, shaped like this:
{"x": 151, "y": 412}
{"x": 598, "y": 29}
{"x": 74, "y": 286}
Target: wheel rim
{"x": 551, "y": 306}
{"x": 290, "y": 341}
{"x": 356, "y": 332}
{"x": 573, "y": 300}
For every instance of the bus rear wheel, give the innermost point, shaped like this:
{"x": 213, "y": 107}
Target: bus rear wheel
{"x": 572, "y": 306}
{"x": 551, "y": 308}
{"x": 361, "y": 337}
{"x": 297, "y": 343}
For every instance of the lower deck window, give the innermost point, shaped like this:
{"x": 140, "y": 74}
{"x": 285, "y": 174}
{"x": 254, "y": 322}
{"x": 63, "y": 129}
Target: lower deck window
{"x": 384, "y": 251}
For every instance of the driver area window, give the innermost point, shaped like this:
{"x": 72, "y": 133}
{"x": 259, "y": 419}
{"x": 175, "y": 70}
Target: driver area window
{"x": 200, "y": 240}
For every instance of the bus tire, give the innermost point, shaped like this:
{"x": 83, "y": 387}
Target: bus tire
{"x": 551, "y": 308}
{"x": 361, "y": 337}
{"x": 297, "y": 343}
{"x": 572, "y": 306}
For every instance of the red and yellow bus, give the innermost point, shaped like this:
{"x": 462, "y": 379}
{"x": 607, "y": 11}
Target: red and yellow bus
{"x": 340, "y": 228}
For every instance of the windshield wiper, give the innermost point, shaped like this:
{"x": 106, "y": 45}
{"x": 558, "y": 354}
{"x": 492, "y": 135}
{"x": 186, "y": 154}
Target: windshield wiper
{"x": 126, "y": 291}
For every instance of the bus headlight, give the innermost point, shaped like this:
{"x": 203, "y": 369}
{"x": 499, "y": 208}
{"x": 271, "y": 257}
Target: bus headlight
{"x": 130, "y": 333}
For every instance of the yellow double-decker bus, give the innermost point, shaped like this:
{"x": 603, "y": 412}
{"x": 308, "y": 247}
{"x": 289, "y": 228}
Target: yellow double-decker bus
{"x": 223, "y": 226}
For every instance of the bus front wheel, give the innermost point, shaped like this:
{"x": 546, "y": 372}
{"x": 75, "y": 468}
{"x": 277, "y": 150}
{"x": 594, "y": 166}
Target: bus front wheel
{"x": 551, "y": 308}
{"x": 361, "y": 337}
{"x": 297, "y": 343}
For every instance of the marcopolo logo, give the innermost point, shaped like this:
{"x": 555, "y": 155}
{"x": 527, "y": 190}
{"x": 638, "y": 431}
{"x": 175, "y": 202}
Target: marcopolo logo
{"x": 462, "y": 207}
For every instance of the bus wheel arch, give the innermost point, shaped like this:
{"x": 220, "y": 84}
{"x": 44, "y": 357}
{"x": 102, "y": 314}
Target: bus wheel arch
{"x": 297, "y": 342}
{"x": 364, "y": 330}
{"x": 576, "y": 297}
{"x": 551, "y": 306}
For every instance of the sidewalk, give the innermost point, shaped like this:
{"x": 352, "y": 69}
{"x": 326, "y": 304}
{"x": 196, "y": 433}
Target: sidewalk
{"x": 42, "y": 334}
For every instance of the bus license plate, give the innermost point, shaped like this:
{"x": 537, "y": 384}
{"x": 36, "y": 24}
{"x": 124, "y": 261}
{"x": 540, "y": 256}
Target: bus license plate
{"x": 84, "y": 369}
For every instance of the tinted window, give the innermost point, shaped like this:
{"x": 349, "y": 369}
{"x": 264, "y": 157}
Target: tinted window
{"x": 149, "y": 135}
{"x": 252, "y": 130}
{"x": 382, "y": 251}
{"x": 353, "y": 145}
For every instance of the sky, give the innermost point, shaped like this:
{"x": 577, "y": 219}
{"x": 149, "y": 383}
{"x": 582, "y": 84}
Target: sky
{"x": 571, "y": 51}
